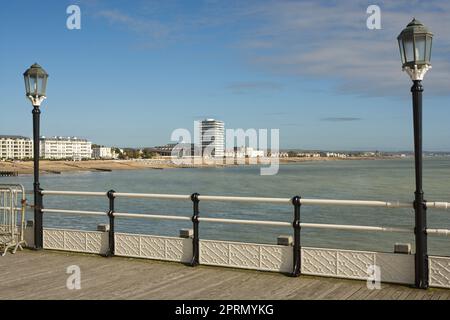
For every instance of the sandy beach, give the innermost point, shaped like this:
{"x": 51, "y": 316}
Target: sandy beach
{"x": 56, "y": 167}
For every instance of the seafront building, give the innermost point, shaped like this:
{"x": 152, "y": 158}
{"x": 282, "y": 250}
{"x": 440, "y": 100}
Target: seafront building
{"x": 309, "y": 154}
{"x": 279, "y": 154}
{"x": 70, "y": 148}
{"x": 244, "y": 152}
{"x": 103, "y": 153}
{"x": 336, "y": 155}
{"x": 177, "y": 150}
{"x": 165, "y": 150}
{"x": 15, "y": 147}
{"x": 212, "y": 138}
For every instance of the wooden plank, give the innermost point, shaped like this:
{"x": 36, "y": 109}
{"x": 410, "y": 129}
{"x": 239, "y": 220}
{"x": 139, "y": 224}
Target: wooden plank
{"x": 42, "y": 275}
{"x": 344, "y": 290}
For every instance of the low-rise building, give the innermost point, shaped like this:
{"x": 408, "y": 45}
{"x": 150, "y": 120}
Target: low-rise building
{"x": 243, "y": 152}
{"x": 15, "y": 147}
{"x": 177, "y": 150}
{"x": 279, "y": 154}
{"x": 165, "y": 150}
{"x": 70, "y": 148}
{"x": 336, "y": 155}
{"x": 308, "y": 155}
{"x": 103, "y": 153}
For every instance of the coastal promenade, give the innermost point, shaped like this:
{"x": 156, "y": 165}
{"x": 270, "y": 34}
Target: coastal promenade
{"x": 60, "y": 166}
{"x": 42, "y": 275}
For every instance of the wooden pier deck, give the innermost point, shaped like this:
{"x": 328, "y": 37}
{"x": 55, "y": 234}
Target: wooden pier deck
{"x": 42, "y": 275}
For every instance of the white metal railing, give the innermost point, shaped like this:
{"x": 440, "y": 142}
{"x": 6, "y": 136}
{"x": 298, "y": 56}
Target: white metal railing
{"x": 441, "y": 232}
{"x": 77, "y": 212}
{"x": 150, "y": 216}
{"x": 293, "y": 258}
{"x": 74, "y": 193}
{"x": 303, "y": 201}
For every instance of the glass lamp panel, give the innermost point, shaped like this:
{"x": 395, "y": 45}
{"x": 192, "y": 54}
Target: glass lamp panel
{"x": 402, "y": 52}
{"x": 42, "y": 81}
{"x": 27, "y": 85}
{"x": 33, "y": 85}
{"x": 408, "y": 44}
{"x": 429, "y": 45}
{"x": 420, "y": 48}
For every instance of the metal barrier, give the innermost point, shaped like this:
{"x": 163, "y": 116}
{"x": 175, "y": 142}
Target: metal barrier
{"x": 294, "y": 260}
{"x": 12, "y": 217}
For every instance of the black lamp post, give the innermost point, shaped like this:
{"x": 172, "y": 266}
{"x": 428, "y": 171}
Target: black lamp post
{"x": 35, "y": 85}
{"x": 415, "y": 43}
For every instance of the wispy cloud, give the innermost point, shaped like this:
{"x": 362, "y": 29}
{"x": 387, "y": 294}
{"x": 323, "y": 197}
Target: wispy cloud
{"x": 253, "y": 86}
{"x": 152, "y": 28}
{"x": 340, "y": 119}
{"x": 330, "y": 40}
{"x": 308, "y": 39}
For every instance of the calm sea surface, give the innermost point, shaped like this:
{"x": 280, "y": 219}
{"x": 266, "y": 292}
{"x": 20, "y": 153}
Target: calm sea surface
{"x": 362, "y": 179}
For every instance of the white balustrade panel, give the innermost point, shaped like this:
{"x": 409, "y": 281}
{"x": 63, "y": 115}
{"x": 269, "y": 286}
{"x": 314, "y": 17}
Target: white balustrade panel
{"x": 339, "y": 263}
{"x": 76, "y": 240}
{"x": 153, "y": 247}
{"x": 350, "y": 264}
{"x": 246, "y": 255}
{"x": 439, "y": 271}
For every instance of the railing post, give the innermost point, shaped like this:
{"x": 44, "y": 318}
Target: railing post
{"x": 195, "y": 240}
{"x": 297, "y": 245}
{"x": 111, "y": 240}
{"x": 39, "y": 219}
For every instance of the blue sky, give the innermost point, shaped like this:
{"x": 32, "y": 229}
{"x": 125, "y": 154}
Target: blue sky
{"x": 139, "y": 69}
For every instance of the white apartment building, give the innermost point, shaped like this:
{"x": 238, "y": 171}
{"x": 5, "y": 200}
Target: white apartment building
{"x": 72, "y": 148}
{"x": 212, "y": 138}
{"x": 15, "y": 147}
{"x": 103, "y": 153}
{"x": 336, "y": 155}
{"x": 244, "y": 152}
{"x": 279, "y": 154}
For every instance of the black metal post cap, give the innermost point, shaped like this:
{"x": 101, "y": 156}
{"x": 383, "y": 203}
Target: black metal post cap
{"x": 296, "y": 200}
{"x": 194, "y": 197}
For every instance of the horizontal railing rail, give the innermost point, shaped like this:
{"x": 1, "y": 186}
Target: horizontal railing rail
{"x": 75, "y": 212}
{"x": 243, "y": 221}
{"x": 150, "y": 216}
{"x": 432, "y": 231}
{"x": 441, "y": 232}
{"x": 73, "y": 193}
{"x": 303, "y": 201}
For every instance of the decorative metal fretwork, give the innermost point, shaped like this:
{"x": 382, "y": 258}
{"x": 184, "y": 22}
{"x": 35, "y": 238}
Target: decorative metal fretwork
{"x": 153, "y": 247}
{"x": 246, "y": 255}
{"x": 439, "y": 271}
{"x": 74, "y": 240}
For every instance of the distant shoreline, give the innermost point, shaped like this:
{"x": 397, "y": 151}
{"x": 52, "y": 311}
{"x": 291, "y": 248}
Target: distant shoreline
{"x": 57, "y": 167}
